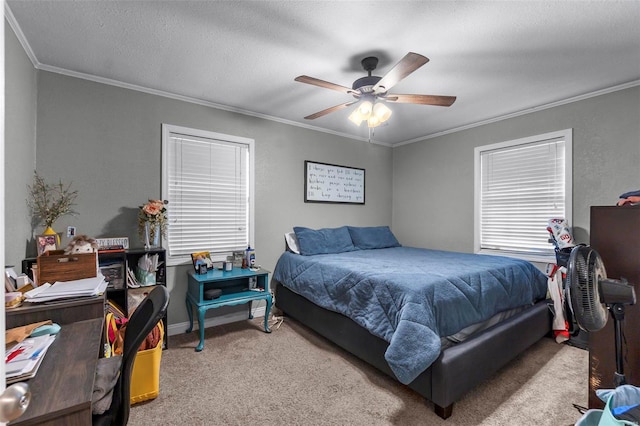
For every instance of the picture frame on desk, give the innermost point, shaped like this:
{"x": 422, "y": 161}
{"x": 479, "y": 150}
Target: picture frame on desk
{"x": 45, "y": 243}
{"x": 201, "y": 258}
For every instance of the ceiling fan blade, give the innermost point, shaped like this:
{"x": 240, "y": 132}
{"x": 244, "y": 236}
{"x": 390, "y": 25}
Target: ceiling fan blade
{"x": 421, "y": 99}
{"x": 407, "y": 65}
{"x": 329, "y": 110}
{"x": 321, "y": 83}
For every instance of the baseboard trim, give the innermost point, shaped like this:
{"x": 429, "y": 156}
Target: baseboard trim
{"x": 182, "y": 327}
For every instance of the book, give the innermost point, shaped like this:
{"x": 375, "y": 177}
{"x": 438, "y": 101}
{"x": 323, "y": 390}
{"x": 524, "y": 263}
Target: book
{"x": 112, "y": 249}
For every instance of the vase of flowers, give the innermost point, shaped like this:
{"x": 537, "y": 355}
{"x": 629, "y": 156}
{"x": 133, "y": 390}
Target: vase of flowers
{"x": 152, "y": 222}
{"x": 49, "y": 202}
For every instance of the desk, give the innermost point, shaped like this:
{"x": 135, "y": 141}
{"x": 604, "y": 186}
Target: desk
{"x": 62, "y": 389}
{"x": 61, "y": 311}
{"x": 235, "y": 286}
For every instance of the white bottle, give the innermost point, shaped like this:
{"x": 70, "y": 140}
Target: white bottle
{"x": 250, "y": 257}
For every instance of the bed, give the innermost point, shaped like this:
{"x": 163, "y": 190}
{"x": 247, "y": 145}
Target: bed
{"x": 402, "y": 308}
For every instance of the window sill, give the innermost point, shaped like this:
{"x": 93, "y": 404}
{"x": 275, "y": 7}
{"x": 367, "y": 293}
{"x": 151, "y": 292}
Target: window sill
{"x": 534, "y": 258}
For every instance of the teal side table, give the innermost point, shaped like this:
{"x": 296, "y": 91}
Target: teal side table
{"x": 235, "y": 286}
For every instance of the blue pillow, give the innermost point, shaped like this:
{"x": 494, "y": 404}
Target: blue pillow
{"x": 323, "y": 241}
{"x": 372, "y": 237}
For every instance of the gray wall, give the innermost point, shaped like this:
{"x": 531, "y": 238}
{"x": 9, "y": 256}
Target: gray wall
{"x": 20, "y": 146}
{"x": 433, "y": 179}
{"x": 106, "y": 140}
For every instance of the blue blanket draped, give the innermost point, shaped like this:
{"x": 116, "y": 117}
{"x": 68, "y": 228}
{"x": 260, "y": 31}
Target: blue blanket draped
{"x": 411, "y": 297}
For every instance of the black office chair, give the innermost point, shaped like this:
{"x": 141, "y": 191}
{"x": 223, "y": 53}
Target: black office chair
{"x": 146, "y": 316}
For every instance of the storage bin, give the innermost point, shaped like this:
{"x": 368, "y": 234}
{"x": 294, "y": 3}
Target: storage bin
{"x": 145, "y": 377}
{"x": 54, "y": 265}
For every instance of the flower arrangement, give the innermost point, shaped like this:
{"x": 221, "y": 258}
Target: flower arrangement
{"x": 50, "y": 202}
{"x": 153, "y": 213}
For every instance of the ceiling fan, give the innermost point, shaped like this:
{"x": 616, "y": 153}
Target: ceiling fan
{"x": 371, "y": 92}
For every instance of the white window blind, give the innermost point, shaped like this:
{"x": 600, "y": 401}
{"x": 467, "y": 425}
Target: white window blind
{"x": 522, "y": 185}
{"x": 207, "y": 180}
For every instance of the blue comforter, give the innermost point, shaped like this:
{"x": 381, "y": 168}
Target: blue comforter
{"x": 411, "y": 297}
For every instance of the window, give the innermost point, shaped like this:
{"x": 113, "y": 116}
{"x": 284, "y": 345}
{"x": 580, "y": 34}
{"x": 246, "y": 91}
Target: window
{"x": 519, "y": 186}
{"x": 208, "y": 180}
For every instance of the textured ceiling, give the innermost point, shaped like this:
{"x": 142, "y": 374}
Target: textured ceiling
{"x": 499, "y": 58}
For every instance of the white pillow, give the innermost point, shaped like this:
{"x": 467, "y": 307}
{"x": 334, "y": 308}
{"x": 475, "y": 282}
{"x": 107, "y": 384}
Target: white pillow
{"x": 292, "y": 242}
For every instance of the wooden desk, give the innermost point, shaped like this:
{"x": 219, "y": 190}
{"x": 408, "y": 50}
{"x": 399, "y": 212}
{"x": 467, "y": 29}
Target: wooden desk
{"x": 62, "y": 389}
{"x": 61, "y": 312}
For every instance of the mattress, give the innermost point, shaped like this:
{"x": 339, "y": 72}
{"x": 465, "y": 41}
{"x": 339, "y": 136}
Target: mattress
{"x": 412, "y": 297}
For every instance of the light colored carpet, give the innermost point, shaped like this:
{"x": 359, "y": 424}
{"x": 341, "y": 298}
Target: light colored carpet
{"x": 295, "y": 377}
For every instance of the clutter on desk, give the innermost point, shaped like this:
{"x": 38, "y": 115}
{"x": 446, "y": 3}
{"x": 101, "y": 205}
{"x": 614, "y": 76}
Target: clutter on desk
{"x": 26, "y": 347}
{"x": 46, "y": 329}
{"x": 18, "y": 334}
{"x": 14, "y": 282}
{"x": 86, "y": 287}
{"x": 15, "y": 286}
{"x": 13, "y": 299}
{"x": 23, "y": 359}
{"x": 631, "y": 198}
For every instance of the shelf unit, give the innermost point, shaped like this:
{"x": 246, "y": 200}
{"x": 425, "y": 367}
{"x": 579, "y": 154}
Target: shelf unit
{"x": 121, "y": 294}
{"x": 128, "y": 298}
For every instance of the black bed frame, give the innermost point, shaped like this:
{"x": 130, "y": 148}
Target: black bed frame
{"x": 457, "y": 370}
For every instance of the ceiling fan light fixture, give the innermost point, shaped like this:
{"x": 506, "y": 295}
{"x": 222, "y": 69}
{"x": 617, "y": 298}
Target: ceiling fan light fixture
{"x": 373, "y": 121}
{"x": 365, "y": 109}
{"x": 356, "y": 117}
{"x": 382, "y": 112}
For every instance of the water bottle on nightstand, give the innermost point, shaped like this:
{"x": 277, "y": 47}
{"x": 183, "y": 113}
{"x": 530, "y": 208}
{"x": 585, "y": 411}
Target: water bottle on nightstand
{"x": 250, "y": 257}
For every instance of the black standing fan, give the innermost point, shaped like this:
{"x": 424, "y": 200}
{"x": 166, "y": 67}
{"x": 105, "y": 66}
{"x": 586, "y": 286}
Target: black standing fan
{"x": 591, "y": 295}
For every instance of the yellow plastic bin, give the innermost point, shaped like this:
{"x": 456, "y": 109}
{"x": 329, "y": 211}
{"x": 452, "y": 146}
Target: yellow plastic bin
{"x": 145, "y": 377}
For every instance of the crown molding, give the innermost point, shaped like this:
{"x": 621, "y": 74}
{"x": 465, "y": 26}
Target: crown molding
{"x": 151, "y": 91}
{"x": 524, "y": 112}
{"x": 8, "y": 14}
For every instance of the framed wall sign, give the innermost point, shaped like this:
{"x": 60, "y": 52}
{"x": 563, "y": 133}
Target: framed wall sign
{"x": 329, "y": 183}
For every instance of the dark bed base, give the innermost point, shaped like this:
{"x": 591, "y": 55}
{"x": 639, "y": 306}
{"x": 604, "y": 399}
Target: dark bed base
{"x": 458, "y": 369}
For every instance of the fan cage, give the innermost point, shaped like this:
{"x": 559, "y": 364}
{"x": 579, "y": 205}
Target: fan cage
{"x": 586, "y": 271}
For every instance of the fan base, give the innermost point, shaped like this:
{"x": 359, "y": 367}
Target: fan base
{"x": 369, "y": 63}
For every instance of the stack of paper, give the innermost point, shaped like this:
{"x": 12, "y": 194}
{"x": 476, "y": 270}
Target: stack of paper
{"x": 68, "y": 289}
{"x": 23, "y": 360}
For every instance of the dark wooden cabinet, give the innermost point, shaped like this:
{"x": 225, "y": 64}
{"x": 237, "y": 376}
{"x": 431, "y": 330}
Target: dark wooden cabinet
{"x": 615, "y": 235}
